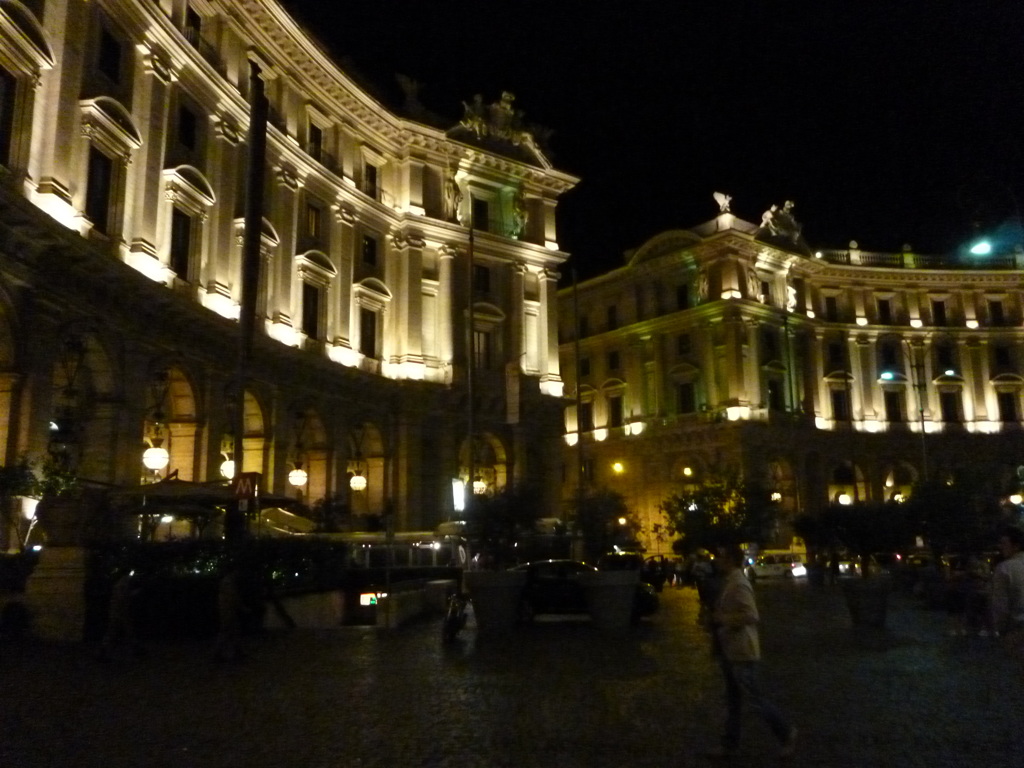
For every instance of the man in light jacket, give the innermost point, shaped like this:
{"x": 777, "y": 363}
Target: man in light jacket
{"x": 734, "y": 622}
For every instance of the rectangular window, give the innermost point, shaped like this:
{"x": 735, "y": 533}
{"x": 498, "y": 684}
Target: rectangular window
{"x": 949, "y": 406}
{"x": 945, "y": 358}
{"x": 311, "y": 295}
{"x": 769, "y": 344}
{"x": 315, "y": 145}
{"x": 1003, "y": 356}
{"x": 996, "y": 315}
{"x": 370, "y": 184}
{"x": 832, "y": 309}
{"x": 889, "y": 357}
{"x": 686, "y": 398}
{"x": 98, "y": 190}
{"x": 8, "y": 90}
{"x": 682, "y": 297}
{"x": 683, "y": 345}
{"x": 615, "y": 411}
{"x": 193, "y": 26}
{"x": 367, "y": 332}
{"x": 108, "y": 60}
{"x": 482, "y": 357}
{"x": 884, "y": 312}
{"x": 613, "y": 360}
{"x": 314, "y": 222}
{"x": 834, "y": 351}
{"x": 181, "y": 243}
{"x": 893, "y": 405}
{"x": 1007, "y": 402}
{"x": 613, "y": 317}
{"x": 938, "y": 312}
{"x": 481, "y": 279}
{"x": 584, "y": 327}
{"x": 369, "y": 250}
{"x": 481, "y": 215}
{"x": 584, "y": 366}
{"x": 766, "y": 292}
{"x": 187, "y": 128}
{"x": 776, "y": 400}
{"x": 586, "y": 417}
{"x": 840, "y": 405}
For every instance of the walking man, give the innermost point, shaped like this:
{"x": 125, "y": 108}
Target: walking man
{"x": 734, "y": 623}
{"x": 1008, "y": 590}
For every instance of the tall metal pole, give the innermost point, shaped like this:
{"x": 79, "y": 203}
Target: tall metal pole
{"x": 256, "y": 159}
{"x": 919, "y": 386}
{"x": 470, "y": 364}
{"x": 580, "y": 473}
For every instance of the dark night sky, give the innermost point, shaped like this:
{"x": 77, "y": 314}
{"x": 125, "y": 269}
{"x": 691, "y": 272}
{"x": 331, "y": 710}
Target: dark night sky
{"x": 885, "y": 122}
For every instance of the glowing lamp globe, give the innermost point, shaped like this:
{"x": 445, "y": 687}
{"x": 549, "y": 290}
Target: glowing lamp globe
{"x": 155, "y": 458}
{"x": 357, "y": 483}
{"x": 298, "y": 477}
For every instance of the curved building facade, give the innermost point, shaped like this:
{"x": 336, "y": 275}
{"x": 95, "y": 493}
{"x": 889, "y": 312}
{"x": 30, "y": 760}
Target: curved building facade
{"x": 825, "y": 376}
{"x": 125, "y": 149}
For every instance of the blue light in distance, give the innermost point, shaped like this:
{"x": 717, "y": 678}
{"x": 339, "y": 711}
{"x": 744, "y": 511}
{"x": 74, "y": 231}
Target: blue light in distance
{"x": 981, "y": 248}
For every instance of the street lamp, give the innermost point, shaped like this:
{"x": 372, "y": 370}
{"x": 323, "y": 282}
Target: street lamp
{"x": 917, "y": 381}
{"x": 357, "y": 482}
{"x": 298, "y": 476}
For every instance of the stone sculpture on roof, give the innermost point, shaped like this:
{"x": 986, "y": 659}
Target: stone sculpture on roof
{"x": 497, "y": 120}
{"x": 723, "y": 201}
{"x": 780, "y": 222}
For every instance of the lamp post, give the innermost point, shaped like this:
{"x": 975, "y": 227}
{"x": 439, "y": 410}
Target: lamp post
{"x": 918, "y": 383}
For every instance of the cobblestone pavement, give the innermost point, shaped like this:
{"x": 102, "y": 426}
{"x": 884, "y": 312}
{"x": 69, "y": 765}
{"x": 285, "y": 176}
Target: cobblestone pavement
{"x": 555, "y": 694}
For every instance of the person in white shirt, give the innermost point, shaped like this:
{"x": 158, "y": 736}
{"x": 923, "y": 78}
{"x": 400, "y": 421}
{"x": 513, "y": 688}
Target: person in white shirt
{"x": 734, "y": 621}
{"x": 1008, "y": 585}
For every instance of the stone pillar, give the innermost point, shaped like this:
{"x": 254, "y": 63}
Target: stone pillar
{"x": 144, "y": 182}
{"x": 220, "y": 264}
{"x": 445, "y": 297}
{"x": 517, "y": 326}
{"x": 345, "y": 249}
{"x": 548, "y": 332}
{"x": 55, "y": 594}
{"x": 283, "y": 210}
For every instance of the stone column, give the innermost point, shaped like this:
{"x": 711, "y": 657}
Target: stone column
{"x": 144, "y": 178}
{"x": 345, "y": 249}
{"x": 445, "y": 298}
{"x": 548, "y": 332}
{"x": 517, "y": 325}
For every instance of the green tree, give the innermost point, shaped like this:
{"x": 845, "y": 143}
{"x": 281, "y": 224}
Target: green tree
{"x": 867, "y": 527}
{"x": 494, "y": 524}
{"x": 721, "y": 510}
{"x": 958, "y": 516}
{"x": 597, "y": 523}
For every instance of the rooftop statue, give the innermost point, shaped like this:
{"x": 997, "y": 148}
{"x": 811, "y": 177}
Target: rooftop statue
{"x": 497, "y": 120}
{"x": 723, "y": 201}
{"x": 780, "y": 222}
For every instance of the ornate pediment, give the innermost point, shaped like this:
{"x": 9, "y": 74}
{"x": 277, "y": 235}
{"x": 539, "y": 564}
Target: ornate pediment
{"x": 499, "y": 128}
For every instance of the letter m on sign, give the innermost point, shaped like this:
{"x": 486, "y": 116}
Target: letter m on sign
{"x": 246, "y": 488}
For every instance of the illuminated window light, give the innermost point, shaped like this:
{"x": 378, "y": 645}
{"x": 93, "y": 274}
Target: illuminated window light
{"x": 571, "y": 439}
{"x": 737, "y": 412}
{"x": 972, "y": 324}
{"x": 916, "y": 322}
{"x": 862, "y": 321}
{"x": 635, "y": 428}
{"x": 600, "y": 434}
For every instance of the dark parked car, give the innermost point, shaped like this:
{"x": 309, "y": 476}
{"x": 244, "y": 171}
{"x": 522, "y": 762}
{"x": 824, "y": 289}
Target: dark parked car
{"x": 653, "y": 570}
{"x": 554, "y": 587}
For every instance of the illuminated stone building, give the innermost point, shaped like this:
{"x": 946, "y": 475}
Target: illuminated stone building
{"x": 836, "y": 375}
{"x": 123, "y": 169}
